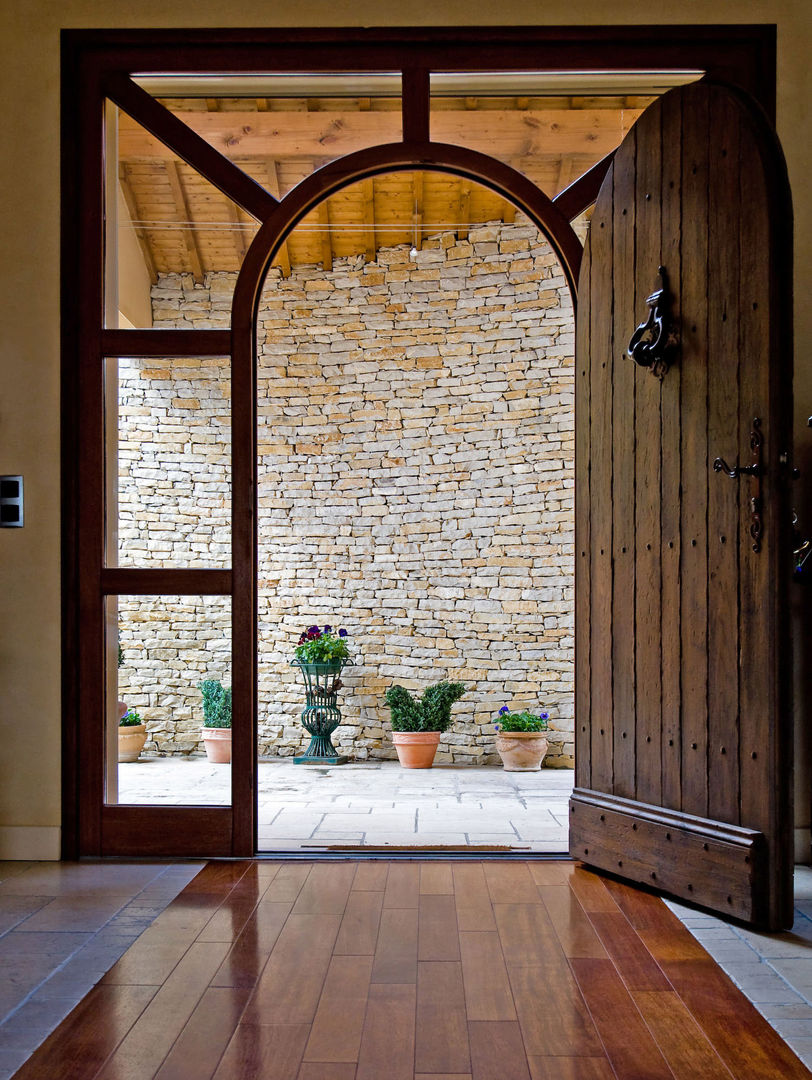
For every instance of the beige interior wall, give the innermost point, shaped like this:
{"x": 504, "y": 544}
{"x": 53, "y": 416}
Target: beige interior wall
{"x": 134, "y": 303}
{"x": 29, "y": 281}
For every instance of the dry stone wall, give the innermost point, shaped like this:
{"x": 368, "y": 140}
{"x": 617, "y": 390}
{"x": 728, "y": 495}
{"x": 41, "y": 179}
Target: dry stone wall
{"x": 415, "y": 486}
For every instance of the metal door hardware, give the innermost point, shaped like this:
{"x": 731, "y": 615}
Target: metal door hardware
{"x": 754, "y": 469}
{"x": 11, "y": 502}
{"x": 652, "y": 342}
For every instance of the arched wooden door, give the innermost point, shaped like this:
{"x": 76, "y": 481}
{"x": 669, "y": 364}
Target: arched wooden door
{"x": 683, "y": 723}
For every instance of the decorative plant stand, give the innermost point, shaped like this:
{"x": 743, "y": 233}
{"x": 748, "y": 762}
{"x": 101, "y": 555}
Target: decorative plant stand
{"x": 321, "y": 715}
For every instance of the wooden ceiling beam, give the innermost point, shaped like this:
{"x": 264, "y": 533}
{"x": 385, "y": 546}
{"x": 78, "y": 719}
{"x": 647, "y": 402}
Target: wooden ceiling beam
{"x": 240, "y": 240}
{"x": 185, "y": 215}
{"x": 283, "y": 255}
{"x": 325, "y": 236}
{"x": 141, "y": 234}
{"x": 417, "y": 214}
{"x": 464, "y": 212}
{"x": 370, "y": 242}
{"x": 506, "y": 132}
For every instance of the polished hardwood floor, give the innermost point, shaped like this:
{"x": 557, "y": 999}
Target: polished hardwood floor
{"x": 413, "y": 971}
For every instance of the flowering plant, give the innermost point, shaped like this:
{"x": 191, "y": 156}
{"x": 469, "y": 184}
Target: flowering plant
{"x": 320, "y": 646}
{"x": 521, "y": 721}
{"x": 130, "y": 719}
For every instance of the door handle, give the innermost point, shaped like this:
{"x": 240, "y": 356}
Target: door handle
{"x": 720, "y": 465}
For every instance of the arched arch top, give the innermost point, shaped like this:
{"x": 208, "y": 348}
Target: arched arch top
{"x": 393, "y": 157}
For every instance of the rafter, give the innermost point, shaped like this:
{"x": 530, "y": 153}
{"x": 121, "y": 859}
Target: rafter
{"x": 325, "y": 236}
{"x": 417, "y": 213}
{"x": 141, "y": 234}
{"x": 370, "y": 243}
{"x": 464, "y": 213}
{"x": 183, "y": 212}
{"x": 283, "y": 255}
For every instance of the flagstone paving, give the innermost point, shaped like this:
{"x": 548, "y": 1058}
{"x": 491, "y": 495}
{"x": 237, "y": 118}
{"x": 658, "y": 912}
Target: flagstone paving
{"x": 374, "y": 804}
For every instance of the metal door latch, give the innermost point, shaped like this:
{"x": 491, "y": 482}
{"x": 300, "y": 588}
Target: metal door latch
{"x": 756, "y": 470}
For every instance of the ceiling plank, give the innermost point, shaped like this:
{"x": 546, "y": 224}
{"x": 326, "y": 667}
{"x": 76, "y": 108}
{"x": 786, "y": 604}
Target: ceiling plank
{"x": 141, "y": 234}
{"x": 184, "y": 214}
{"x": 506, "y": 133}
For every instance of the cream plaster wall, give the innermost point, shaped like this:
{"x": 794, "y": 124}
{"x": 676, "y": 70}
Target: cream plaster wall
{"x": 29, "y": 283}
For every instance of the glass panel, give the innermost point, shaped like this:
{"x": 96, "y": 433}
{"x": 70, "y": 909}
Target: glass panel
{"x": 281, "y": 128}
{"x": 169, "y": 473}
{"x": 416, "y": 483}
{"x": 174, "y": 241}
{"x": 165, "y": 647}
{"x": 552, "y": 127}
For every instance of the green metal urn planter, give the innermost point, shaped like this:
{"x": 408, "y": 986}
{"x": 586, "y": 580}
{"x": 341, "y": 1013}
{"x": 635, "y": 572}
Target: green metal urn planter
{"x": 321, "y": 714}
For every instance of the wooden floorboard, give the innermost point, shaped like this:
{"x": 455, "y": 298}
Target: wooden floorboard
{"x": 413, "y": 971}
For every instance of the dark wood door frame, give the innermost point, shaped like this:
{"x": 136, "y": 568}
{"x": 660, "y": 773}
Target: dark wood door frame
{"x": 97, "y": 65}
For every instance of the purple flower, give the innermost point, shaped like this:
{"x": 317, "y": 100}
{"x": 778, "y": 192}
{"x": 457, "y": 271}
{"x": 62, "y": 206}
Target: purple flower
{"x": 313, "y": 630}
{"x": 327, "y": 628}
{"x": 498, "y": 727}
{"x": 342, "y": 633}
{"x": 544, "y": 716}
{"x": 504, "y": 710}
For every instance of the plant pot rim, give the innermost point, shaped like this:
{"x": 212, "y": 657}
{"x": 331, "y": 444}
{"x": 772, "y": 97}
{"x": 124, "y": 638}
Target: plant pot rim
{"x": 416, "y": 736}
{"x": 521, "y": 734}
{"x": 135, "y": 729}
{"x": 340, "y": 662}
{"x": 216, "y": 732}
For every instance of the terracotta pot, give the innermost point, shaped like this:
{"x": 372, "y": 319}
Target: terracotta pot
{"x": 217, "y": 741}
{"x": 521, "y": 751}
{"x": 131, "y": 741}
{"x": 416, "y": 749}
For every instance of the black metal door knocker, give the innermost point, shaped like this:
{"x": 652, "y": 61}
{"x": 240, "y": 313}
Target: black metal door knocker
{"x": 653, "y": 342}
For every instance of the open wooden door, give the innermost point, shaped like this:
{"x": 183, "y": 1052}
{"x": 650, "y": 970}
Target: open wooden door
{"x": 683, "y": 712}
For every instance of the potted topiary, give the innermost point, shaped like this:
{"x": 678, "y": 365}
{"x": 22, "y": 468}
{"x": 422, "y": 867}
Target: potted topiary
{"x": 417, "y": 723}
{"x": 321, "y": 655}
{"x": 216, "y": 720}
{"x": 521, "y": 739}
{"x": 132, "y": 734}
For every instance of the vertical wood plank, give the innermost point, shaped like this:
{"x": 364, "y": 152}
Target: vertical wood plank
{"x": 695, "y": 464}
{"x": 358, "y": 933}
{"x": 487, "y": 990}
{"x": 471, "y": 898}
{"x": 437, "y": 928}
{"x": 290, "y": 985}
{"x": 387, "y": 1041}
{"x": 335, "y": 1034}
{"x": 671, "y": 422}
{"x": 628, "y": 1043}
{"x": 723, "y": 440}
{"x": 601, "y": 353}
{"x": 441, "y": 1044}
{"x": 648, "y": 257}
{"x": 396, "y": 951}
{"x": 497, "y": 1051}
{"x": 758, "y": 631}
{"x": 402, "y": 886}
{"x": 627, "y": 316}
{"x": 583, "y": 679}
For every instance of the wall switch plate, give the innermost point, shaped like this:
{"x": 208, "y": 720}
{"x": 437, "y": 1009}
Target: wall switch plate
{"x": 11, "y": 502}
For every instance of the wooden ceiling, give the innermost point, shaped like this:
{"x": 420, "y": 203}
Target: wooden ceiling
{"x": 185, "y": 225}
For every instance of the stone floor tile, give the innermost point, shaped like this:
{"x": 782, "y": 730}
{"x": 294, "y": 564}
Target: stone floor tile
{"x": 72, "y": 913}
{"x": 10, "y": 1061}
{"x": 15, "y": 909}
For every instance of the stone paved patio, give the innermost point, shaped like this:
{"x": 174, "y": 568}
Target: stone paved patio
{"x": 374, "y": 804}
